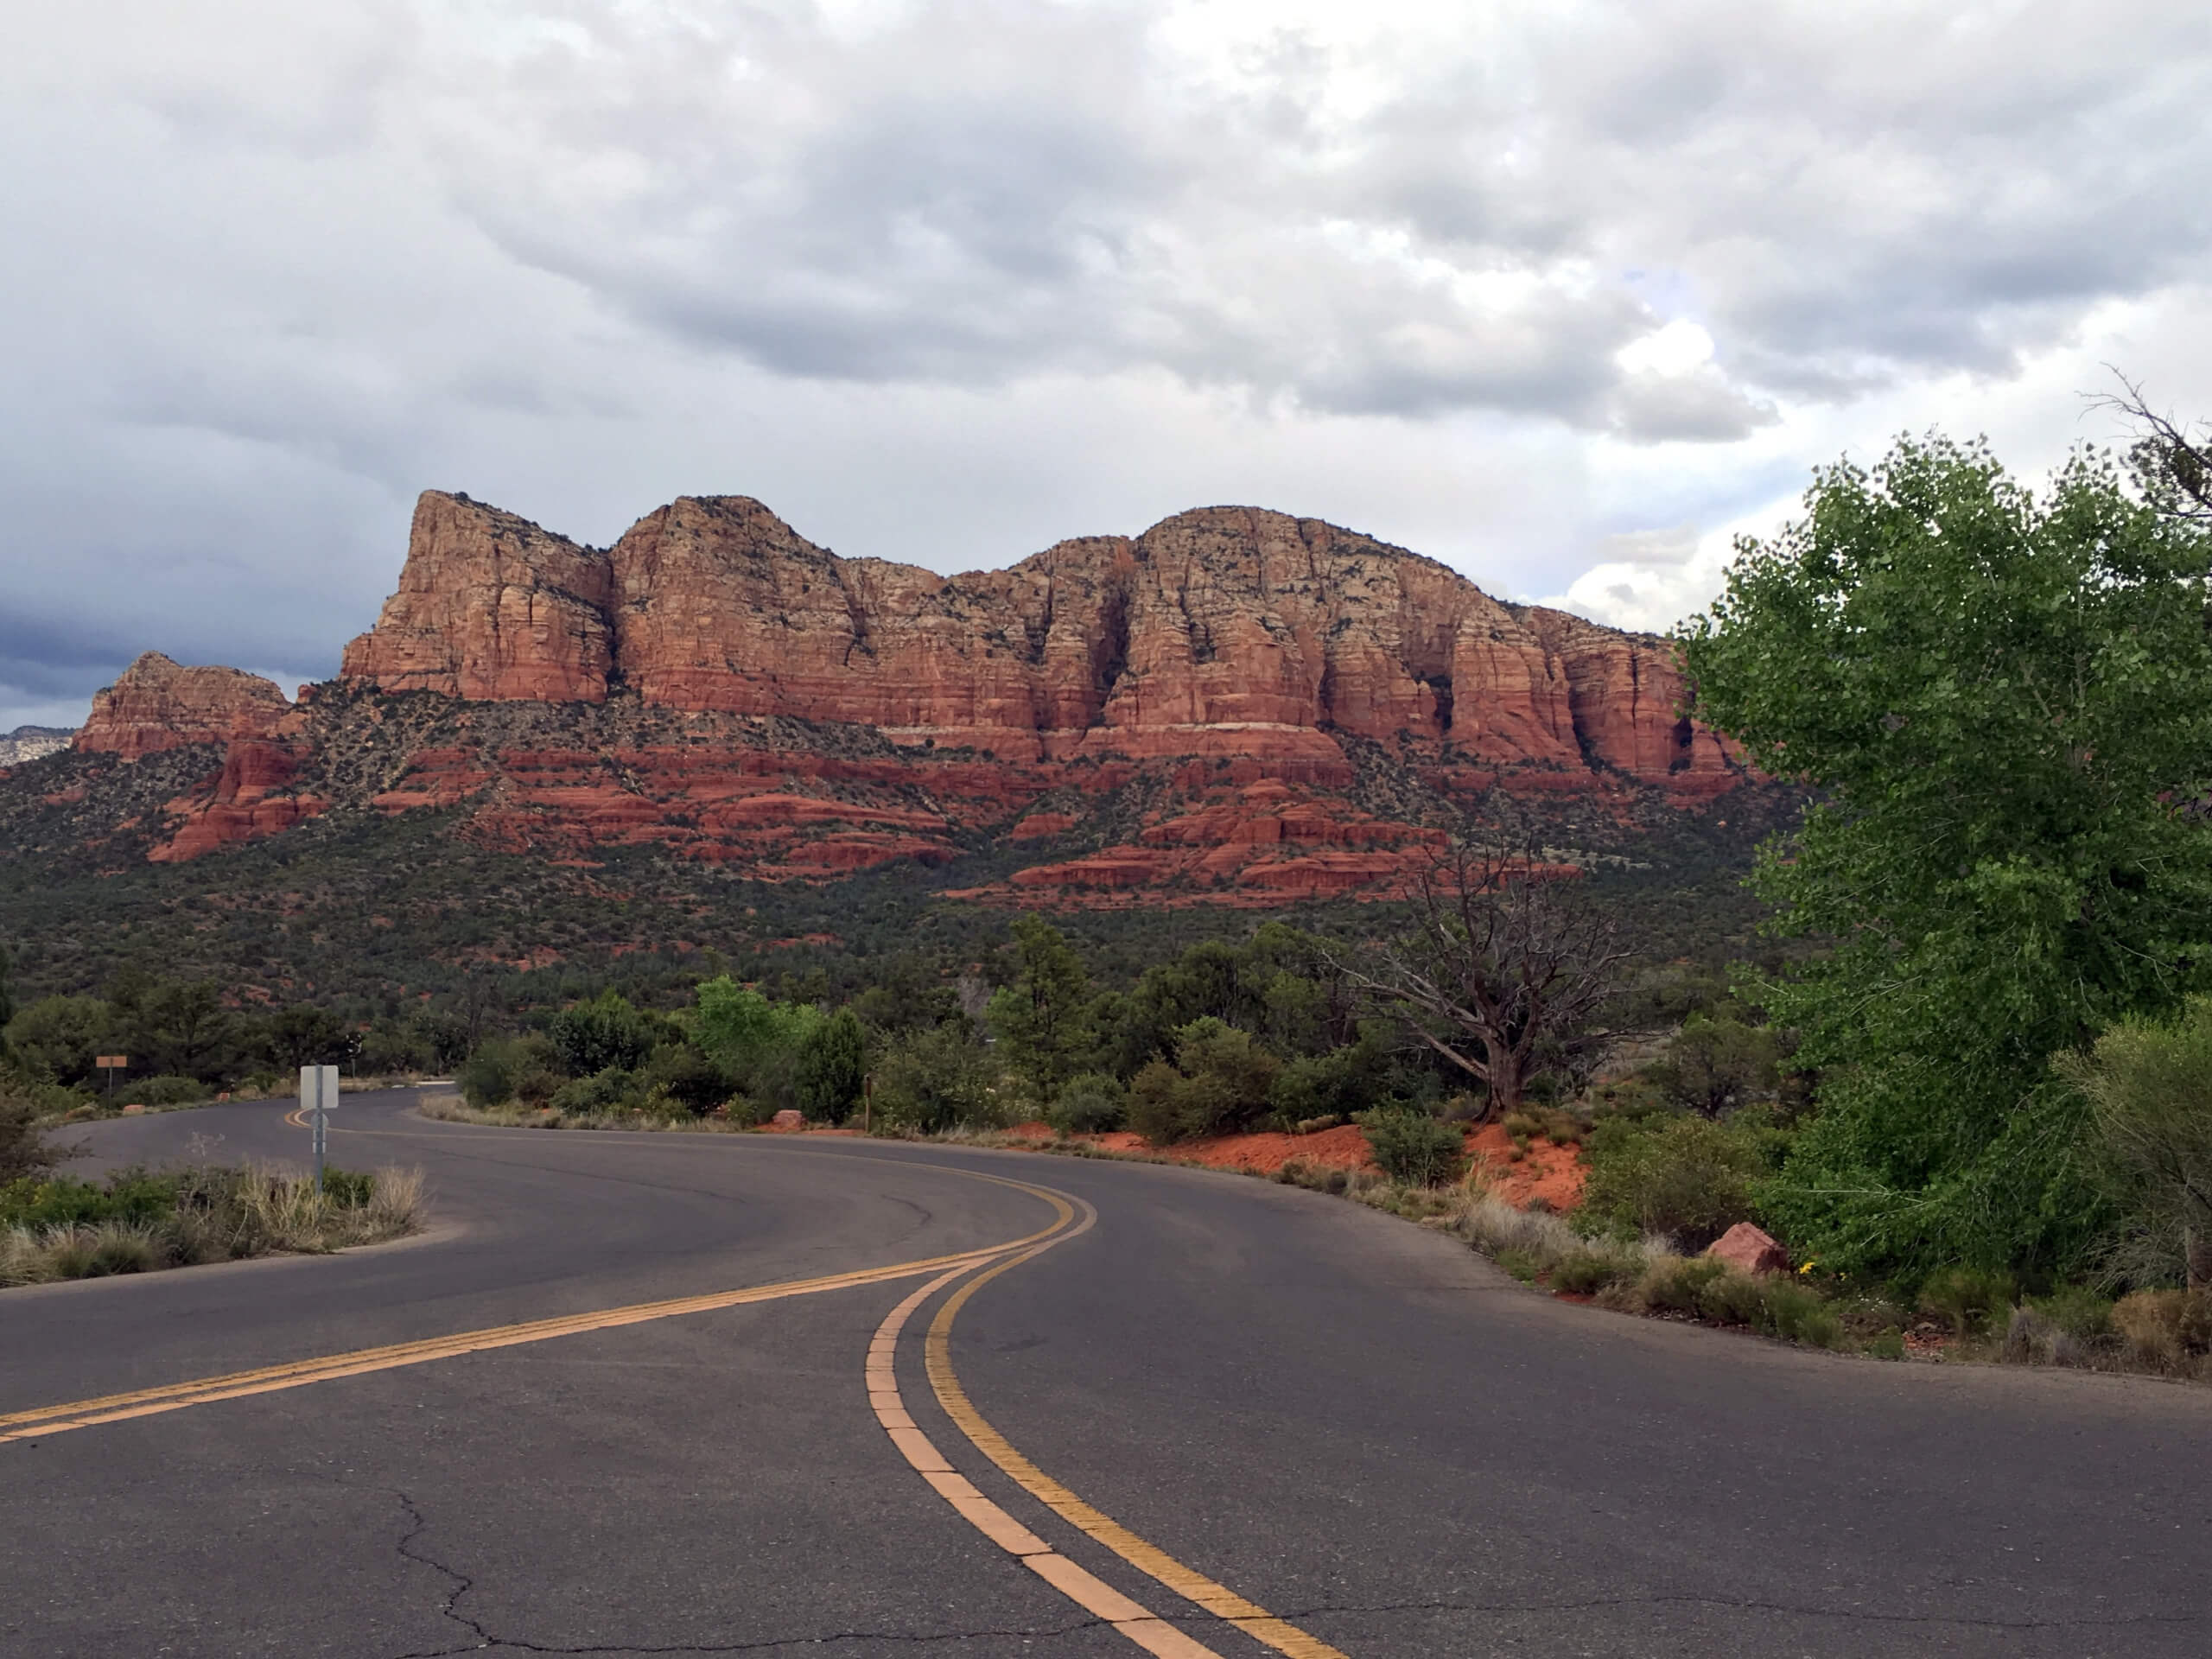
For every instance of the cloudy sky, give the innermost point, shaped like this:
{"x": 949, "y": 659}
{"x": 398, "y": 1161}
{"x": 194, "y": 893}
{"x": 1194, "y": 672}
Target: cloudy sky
{"x": 1564, "y": 294}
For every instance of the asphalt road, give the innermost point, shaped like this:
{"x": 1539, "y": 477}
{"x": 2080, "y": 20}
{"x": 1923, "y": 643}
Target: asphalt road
{"x": 1354, "y": 1424}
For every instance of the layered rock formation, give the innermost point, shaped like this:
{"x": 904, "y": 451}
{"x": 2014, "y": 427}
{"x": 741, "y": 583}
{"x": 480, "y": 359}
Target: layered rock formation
{"x": 491, "y": 607}
{"x": 159, "y": 704}
{"x": 1234, "y": 707}
{"x": 1228, "y": 630}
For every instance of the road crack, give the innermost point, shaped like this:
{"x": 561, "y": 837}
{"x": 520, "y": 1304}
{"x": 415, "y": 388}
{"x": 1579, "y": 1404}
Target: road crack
{"x": 461, "y": 1583}
{"x": 520, "y": 1646}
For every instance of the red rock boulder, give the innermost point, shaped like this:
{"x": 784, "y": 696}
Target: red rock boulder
{"x": 1750, "y": 1249}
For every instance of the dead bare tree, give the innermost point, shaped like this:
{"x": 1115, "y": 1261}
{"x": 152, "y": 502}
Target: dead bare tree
{"x": 1504, "y": 974}
{"x": 2172, "y": 464}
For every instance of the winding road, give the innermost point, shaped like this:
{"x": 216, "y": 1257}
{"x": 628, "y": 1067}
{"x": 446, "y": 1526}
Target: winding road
{"x": 701, "y": 1393}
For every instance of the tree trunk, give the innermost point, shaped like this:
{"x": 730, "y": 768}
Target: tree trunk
{"x": 1507, "y": 1078}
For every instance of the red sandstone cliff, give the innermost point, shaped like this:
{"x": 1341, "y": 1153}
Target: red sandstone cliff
{"x": 1227, "y": 666}
{"x": 490, "y": 607}
{"x": 1228, "y": 630}
{"x": 158, "y": 705}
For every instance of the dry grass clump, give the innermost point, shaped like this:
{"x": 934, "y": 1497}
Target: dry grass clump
{"x": 186, "y": 1217}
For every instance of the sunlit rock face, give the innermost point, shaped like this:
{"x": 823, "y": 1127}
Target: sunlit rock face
{"x": 159, "y": 704}
{"x": 717, "y": 685}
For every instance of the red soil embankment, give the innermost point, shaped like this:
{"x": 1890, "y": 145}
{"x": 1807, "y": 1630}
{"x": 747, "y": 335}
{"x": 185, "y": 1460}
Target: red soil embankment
{"x": 1551, "y": 1174}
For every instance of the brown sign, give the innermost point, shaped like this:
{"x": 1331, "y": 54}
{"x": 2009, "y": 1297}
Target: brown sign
{"x": 111, "y": 1062}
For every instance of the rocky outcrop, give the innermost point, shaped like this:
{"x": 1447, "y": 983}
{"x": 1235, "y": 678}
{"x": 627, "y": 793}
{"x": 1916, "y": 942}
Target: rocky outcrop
{"x": 490, "y": 607}
{"x": 1236, "y": 706}
{"x": 30, "y": 742}
{"x": 1224, "y": 631}
{"x": 158, "y": 705}
{"x": 250, "y": 798}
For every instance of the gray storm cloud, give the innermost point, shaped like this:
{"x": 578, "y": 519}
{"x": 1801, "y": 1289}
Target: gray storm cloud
{"x": 951, "y": 280}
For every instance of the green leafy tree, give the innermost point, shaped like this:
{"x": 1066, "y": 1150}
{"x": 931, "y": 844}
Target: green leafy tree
{"x": 2004, "y": 702}
{"x": 932, "y": 1078}
{"x": 832, "y": 1067}
{"x": 742, "y": 1028}
{"x": 1042, "y": 1020}
{"x": 605, "y": 1031}
{"x": 1717, "y": 1063}
{"x": 756, "y": 1041}
{"x": 304, "y": 1034}
{"x": 176, "y": 1027}
{"x": 58, "y": 1037}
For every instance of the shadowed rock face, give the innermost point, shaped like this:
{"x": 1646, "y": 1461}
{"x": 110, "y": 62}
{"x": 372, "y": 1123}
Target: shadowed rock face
{"x": 1227, "y": 630}
{"x": 158, "y": 705}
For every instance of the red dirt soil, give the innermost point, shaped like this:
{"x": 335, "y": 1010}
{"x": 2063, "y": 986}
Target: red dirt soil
{"x": 1551, "y": 1174}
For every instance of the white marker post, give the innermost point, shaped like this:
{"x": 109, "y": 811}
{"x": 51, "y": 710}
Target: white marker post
{"x": 318, "y": 1099}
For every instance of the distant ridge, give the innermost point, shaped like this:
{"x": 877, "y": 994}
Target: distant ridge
{"x": 29, "y": 742}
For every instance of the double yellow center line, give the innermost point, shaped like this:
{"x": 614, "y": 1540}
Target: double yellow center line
{"x": 43, "y": 1420}
{"x": 1157, "y": 1636}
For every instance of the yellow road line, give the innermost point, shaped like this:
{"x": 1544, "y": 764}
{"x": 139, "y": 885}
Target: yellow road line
{"x": 1089, "y": 1592}
{"x": 1217, "y": 1599}
{"x": 116, "y": 1408}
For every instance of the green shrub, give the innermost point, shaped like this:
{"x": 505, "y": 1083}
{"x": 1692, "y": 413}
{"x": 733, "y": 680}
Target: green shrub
{"x": 127, "y": 1195}
{"x": 1965, "y": 1298}
{"x": 1523, "y": 1265}
{"x": 1218, "y": 1084}
{"x": 27, "y": 1148}
{"x": 2150, "y": 1084}
{"x": 832, "y": 1068}
{"x": 2077, "y": 1310}
{"x": 1799, "y": 1313}
{"x": 606, "y": 1032}
{"x": 1090, "y": 1104}
{"x": 682, "y": 1073}
{"x": 1413, "y": 1148}
{"x": 1716, "y": 1063}
{"x": 1733, "y": 1299}
{"x": 1587, "y": 1272}
{"x": 1885, "y": 1344}
{"x": 1334, "y": 1084}
{"x": 486, "y": 1078}
{"x": 171, "y": 1090}
{"x": 1673, "y": 1284}
{"x": 348, "y": 1189}
{"x": 613, "y": 1089}
{"x": 934, "y": 1079}
{"x": 1682, "y": 1176}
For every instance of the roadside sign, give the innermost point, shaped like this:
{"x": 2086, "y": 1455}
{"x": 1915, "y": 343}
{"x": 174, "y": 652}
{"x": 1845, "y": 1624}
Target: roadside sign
{"x": 111, "y": 1062}
{"x": 318, "y": 1098}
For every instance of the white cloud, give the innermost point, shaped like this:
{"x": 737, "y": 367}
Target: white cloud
{"x": 947, "y": 280}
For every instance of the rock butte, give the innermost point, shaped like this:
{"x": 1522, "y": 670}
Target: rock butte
{"x": 1235, "y": 655}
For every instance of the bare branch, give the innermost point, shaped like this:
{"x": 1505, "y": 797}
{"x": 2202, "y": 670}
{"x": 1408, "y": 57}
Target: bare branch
{"x": 2173, "y": 465}
{"x": 1502, "y": 973}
